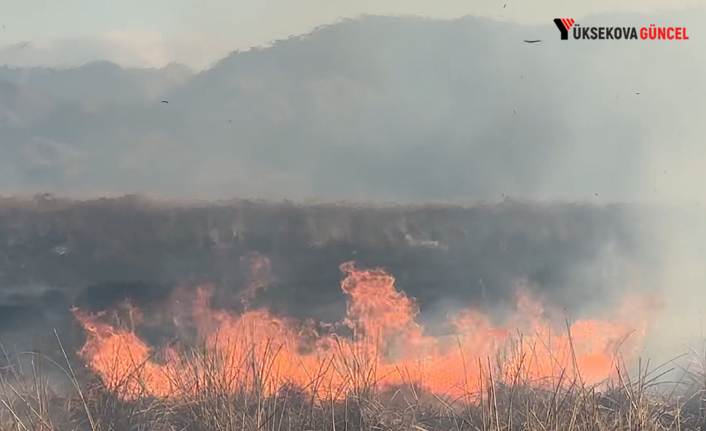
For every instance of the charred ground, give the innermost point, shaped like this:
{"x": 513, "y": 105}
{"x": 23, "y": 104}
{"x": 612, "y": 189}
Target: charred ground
{"x": 58, "y": 253}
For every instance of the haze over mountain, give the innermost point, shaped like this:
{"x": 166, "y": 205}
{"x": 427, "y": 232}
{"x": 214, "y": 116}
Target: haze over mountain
{"x": 99, "y": 81}
{"x": 375, "y": 107}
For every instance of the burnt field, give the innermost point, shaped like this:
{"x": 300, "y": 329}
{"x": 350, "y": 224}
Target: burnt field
{"x": 94, "y": 255}
{"x": 58, "y": 253}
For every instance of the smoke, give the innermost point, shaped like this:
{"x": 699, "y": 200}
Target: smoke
{"x": 393, "y": 109}
{"x": 387, "y": 108}
{"x": 672, "y": 238}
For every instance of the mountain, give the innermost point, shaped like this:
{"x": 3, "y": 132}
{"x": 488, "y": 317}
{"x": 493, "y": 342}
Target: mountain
{"x": 100, "y": 81}
{"x": 374, "y": 107}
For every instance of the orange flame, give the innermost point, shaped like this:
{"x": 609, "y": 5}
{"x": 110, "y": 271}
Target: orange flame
{"x": 257, "y": 351}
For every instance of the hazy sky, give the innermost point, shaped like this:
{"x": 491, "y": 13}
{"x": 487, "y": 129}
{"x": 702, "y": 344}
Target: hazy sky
{"x": 199, "y": 32}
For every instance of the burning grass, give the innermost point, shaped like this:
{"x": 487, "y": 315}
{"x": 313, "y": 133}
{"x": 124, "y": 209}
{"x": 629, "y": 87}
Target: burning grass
{"x": 253, "y": 371}
{"x": 517, "y": 403}
{"x": 387, "y": 347}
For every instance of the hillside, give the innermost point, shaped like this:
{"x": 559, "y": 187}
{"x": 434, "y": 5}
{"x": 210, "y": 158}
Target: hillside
{"x": 99, "y": 81}
{"x": 376, "y": 107}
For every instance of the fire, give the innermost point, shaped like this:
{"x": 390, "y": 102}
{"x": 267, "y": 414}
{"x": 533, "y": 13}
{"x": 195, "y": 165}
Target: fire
{"x": 256, "y": 351}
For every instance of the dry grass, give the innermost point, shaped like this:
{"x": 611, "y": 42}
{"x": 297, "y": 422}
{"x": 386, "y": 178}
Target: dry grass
{"x": 28, "y": 402}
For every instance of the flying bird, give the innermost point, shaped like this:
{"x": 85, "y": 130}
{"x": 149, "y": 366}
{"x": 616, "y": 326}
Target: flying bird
{"x": 533, "y": 41}
{"x": 165, "y": 101}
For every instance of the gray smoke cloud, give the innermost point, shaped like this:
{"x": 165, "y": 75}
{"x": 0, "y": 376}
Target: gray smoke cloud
{"x": 379, "y": 107}
{"x": 402, "y": 109}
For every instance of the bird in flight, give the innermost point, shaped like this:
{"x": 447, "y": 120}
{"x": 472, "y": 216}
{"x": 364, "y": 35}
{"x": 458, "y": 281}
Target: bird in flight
{"x": 165, "y": 101}
{"x": 533, "y": 41}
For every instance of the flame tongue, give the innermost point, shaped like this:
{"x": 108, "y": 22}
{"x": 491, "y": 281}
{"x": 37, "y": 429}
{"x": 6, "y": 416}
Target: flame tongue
{"x": 258, "y": 351}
